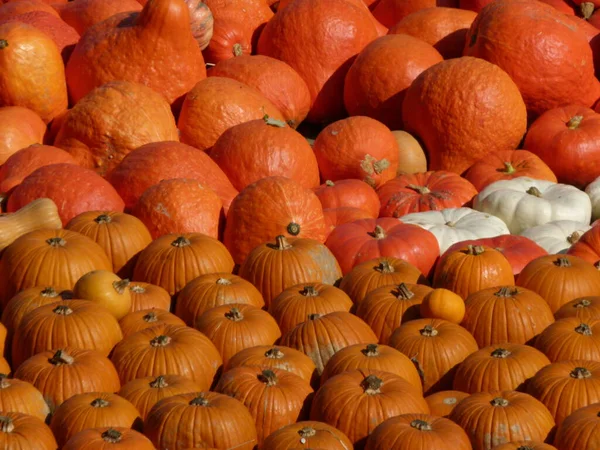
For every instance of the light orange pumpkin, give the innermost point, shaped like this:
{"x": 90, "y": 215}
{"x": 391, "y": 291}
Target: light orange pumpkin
{"x": 443, "y": 304}
{"x": 105, "y": 289}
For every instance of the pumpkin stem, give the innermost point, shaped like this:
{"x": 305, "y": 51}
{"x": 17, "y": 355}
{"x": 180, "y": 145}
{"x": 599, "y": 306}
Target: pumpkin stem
{"x": 423, "y": 190}
{"x": 329, "y": 183}
{"x": 500, "y": 353}
{"x": 583, "y": 303}
{"x": 372, "y": 385}
{"x": 587, "y": 9}
{"x": 307, "y": 432}
{"x": 62, "y": 310}
{"x": 237, "y": 49}
{"x": 314, "y": 316}
{"x": 380, "y": 166}
{"x": 475, "y": 250}
{"x": 450, "y": 223}
{"x": 234, "y": 314}
{"x": 418, "y": 366}
{"x": 371, "y": 350}
{"x": 3, "y": 44}
{"x": 159, "y": 382}
{"x": 111, "y": 436}
{"x": 224, "y": 282}
{"x": 61, "y": 357}
{"x": 385, "y": 267}
{"x": 274, "y": 122}
{"x": 507, "y": 292}
{"x": 268, "y": 377}
{"x": 428, "y": 331}
{"x": 121, "y": 285}
{"x": 584, "y": 329}
{"x": 181, "y": 241}
{"x": 580, "y": 373}
{"x": 573, "y": 237}
{"x": 281, "y": 243}
{"x": 150, "y": 317}
{"x": 4, "y": 383}
{"x": 199, "y": 401}
{"x": 274, "y": 353}
{"x": 534, "y": 191}
{"x": 561, "y": 261}
{"x": 402, "y": 292}
{"x": 421, "y": 425}
{"x": 509, "y": 169}
{"x": 309, "y": 291}
{"x": 49, "y": 292}
{"x": 378, "y": 233}
{"x": 499, "y": 401}
{"x": 103, "y": 219}
{"x": 293, "y": 228}
{"x": 160, "y": 341}
{"x": 99, "y": 403}
{"x": 137, "y": 289}
{"x": 6, "y": 423}
{"x": 55, "y": 241}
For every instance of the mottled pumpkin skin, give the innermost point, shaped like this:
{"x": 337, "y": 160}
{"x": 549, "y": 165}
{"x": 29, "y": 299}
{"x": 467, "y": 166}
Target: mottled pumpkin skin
{"x": 82, "y": 14}
{"x": 390, "y": 12}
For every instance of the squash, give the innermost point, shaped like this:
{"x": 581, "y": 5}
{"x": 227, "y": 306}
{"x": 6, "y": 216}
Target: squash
{"x": 40, "y": 213}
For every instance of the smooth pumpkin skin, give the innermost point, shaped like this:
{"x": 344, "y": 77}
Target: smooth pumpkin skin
{"x": 376, "y": 83}
{"x": 390, "y": 12}
{"x": 443, "y": 402}
{"x": 26, "y": 432}
{"x": 578, "y": 430}
{"x": 443, "y": 304}
{"x": 276, "y": 80}
{"x": 316, "y": 435}
{"x": 349, "y": 193}
{"x": 464, "y": 103}
{"x": 21, "y": 127}
{"x": 444, "y": 28}
{"x": 412, "y": 157}
{"x": 99, "y": 438}
{"x": 587, "y": 246}
{"x": 142, "y": 319}
{"x": 82, "y": 14}
{"x": 20, "y": 396}
{"x": 106, "y": 289}
{"x": 302, "y": 30}
{"x": 32, "y": 72}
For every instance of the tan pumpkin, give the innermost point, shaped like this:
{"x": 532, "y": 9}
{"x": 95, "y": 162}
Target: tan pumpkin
{"x": 106, "y": 289}
{"x": 147, "y": 318}
{"x": 148, "y": 296}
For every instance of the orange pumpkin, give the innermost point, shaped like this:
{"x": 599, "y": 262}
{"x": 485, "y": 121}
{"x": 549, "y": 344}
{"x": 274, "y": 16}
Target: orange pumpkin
{"x": 21, "y": 128}
{"x": 339, "y": 216}
{"x": 142, "y": 319}
{"x": 106, "y": 289}
{"x": 349, "y": 193}
{"x": 584, "y": 308}
{"x": 443, "y": 304}
{"x": 13, "y": 8}
{"x": 443, "y": 402}
{"x": 20, "y": 396}
{"x": 82, "y": 14}
{"x": 390, "y": 12}
{"x": 587, "y": 247}
{"x": 312, "y": 434}
{"x": 148, "y": 296}
{"x": 571, "y": 338}
{"x": 98, "y": 438}
{"x": 579, "y": 429}
{"x": 525, "y": 445}
{"x": 25, "y": 432}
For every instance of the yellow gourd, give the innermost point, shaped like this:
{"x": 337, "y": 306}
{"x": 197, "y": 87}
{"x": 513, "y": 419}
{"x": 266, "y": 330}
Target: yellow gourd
{"x": 40, "y": 213}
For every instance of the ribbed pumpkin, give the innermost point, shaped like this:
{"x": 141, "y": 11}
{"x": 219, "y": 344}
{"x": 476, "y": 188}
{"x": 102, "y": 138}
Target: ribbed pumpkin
{"x": 580, "y": 429}
{"x": 60, "y": 374}
{"x": 505, "y": 367}
{"x": 145, "y": 392}
{"x": 237, "y": 326}
{"x": 378, "y": 272}
{"x": 560, "y": 279}
{"x": 113, "y": 437}
{"x": 104, "y": 288}
{"x": 274, "y": 397}
{"x": 357, "y": 401}
{"x": 436, "y": 347}
{"x": 385, "y": 308}
{"x": 571, "y": 338}
{"x": 121, "y": 236}
{"x": 584, "y": 308}
{"x": 173, "y": 260}
{"x": 566, "y": 386}
{"x": 525, "y": 445}
{"x": 349, "y": 193}
{"x": 167, "y": 349}
{"x": 443, "y": 402}
{"x": 409, "y": 431}
{"x": 506, "y": 314}
{"x": 147, "y": 318}
{"x": 25, "y": 432}
{"x": 310, "y": 434}
{"x": 20, "y": 396}
{"x": 276, "y": 265}
{"x": 275, "y": 357}
{"x": 69, "y": 323}
{"x": 296, "y": 303}
{"x": 54, "y": 258}
{"x": 146, "y": 296}
{"x": 200, "y": 418}
{"x": 494, "y": 418}
{"x": 211, "y": 290}
{"x": 372, "y": 357}
{"x": 321, "y": 336}
{"x": 91, "y": 410}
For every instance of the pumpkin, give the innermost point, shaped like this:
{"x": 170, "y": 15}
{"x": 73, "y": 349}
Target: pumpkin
{"x": 339, "y": 216}
{"x": 202, "y": 22}
{"x": 412, "y": 157}
{"x": 525, "y": 445}
{"x": 425, "y": 191}
{"x": 349, "y": 193}
{"x": 387, "y": 307}
{"x": 14, "y": 8}
{"x": 216, "y": 104}
{"x": 390, "y": 12}
{"x": 436, "y": 347}
{"x": 584, "y": 308}
{"x": 571, "y": 338}
{"x": 274, "y": 397}
{"x": 593, "y": 190}
{"x": 311, "y": 434}
{"x": 91, "y": 410}
{"x": 494, "y": 418}
{"x": 471, "y": 269}
{"x": 442, "y": 403}
{"x": 60, "y": 374}
{"x": 505, "y": 367}
{"x": 273, "y": 267}
{"x": 443, "y": 304}
{"x": 69, "y": 323}
{"x": 73, "y": 189}
{"x": 115, "y": 437}
{"x": 149, "y": 164}
{"x": 31, "y": 71}
{"x": 378, "y": 272}
{"x": 82, "y": 14}
{"x": 142, "y": 319}
{"x": 560, "y": 279}
{"x": 39, "y": 214}
{"x": 506, "y": 165}
{"x": 20, "y": 396}
{"x": 287, "y": 38}
{"x": 167, "y": 349}
{"x": 203, "y": 418}
{"x": 525, "y": 202}
{"x": 556, "y": 236}
{"x": 372, "y": 90}
{"x": 586, "y": 246}
{"x": 297, "y": 302}
{"x": 173, "y": 260}
{"x": 566, "y": 386}
{"x": 579, "y": 428}
{"x": 211, "y": 290}
{"x": 503, "y": 314}
{"x": 243, "y": 156}
{"x": 444, "y": 28}
{"x": 275, "y": 79}
{"x": 179, "y": 205}
{"x": 237, "y": 326}
{"x": 21, "y": 128}
{"x": 452, "y": 225}
{"x": 569, "y": 71}
{"x": 408, "y": 431}
{"x": 105, "y": 289}
{"x": 55, "y": 258}
{"x": 148, "y": 296}
{"x": 22, "y": 431}
{"x": 123, "y": 115}
{"x": 321, "y": 336}
{"x": 121, "y": 236}
{"x": 372, "y": 357}
{"x": 355, "y": 402}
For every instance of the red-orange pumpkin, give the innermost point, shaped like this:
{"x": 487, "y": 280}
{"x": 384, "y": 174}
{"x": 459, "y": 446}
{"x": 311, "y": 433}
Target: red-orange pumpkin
{"x": 349, "y": 193}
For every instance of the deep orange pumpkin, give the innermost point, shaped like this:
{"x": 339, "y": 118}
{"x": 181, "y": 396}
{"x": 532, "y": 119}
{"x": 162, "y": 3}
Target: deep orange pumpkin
{"x": 579, "y": 429}
{"x": 21, "y": 127}
{"x": 22, "y": 431}
{"x": 349, "y": 193}
{"x": 99, "y": 437}
{"x": 147, "y": 318}
{"x": 390, "y": 12}
{"x": 571, "y": 338}
{"x": 312, "y": 433}
{"x": 82, "y": 14}
{"x": 443, "y": 402}
{"x": 587, "y": 246}
{"x": 146, "y": 296}
{"x": 339, "y": 216}
{"x": 584, "y": 308}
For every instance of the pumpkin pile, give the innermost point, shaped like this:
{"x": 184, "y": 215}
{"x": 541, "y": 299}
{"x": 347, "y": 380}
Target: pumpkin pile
{"x": 284, "y": 224}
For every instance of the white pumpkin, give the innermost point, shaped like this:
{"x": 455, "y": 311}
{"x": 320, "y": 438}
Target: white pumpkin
{"x": 525, "y": 202}
{"x": 593, "y": 191}
{"x": 453, "y": 225}
{"x": 556, "y": 236}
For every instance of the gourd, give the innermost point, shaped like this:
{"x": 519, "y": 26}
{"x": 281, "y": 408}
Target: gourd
{"x": 40, "y": 213}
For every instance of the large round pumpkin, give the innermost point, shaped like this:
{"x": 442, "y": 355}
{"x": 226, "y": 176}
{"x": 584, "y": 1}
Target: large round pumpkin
{"x": 25, "y": 432}
{"x": 20, "y": 396}
{"x": 584, "y": 308}
{"x": 98, "y": 438}
{"x": 571, "y": 338}
{"x": 147, "y": 296}
{"x": 147, "y": 318}
{"x": 579, "y": 429}
{"x": 21, "y": 128}
{"x": 442, "y": 403}
{"x": 349, "y": 193}
{"x": 312, "y": 434}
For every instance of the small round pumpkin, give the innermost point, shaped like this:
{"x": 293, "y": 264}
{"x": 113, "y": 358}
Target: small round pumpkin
{"x": 147, "y": 296}
{"x": 114, "y": 437}
{"x": 25, "y": 432}
{"x": 24, "y": 128}
{"x": 21, "y": 396}
{"x": 105, "y": 289}
{"x": 147, "y": 318}
{"x": 584, "y": 308}
{"x": 442, "y": 403}
{"x": 311, "y": 434}
{"x": 443, "y": 304}
{"x": 349, "y": 193}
